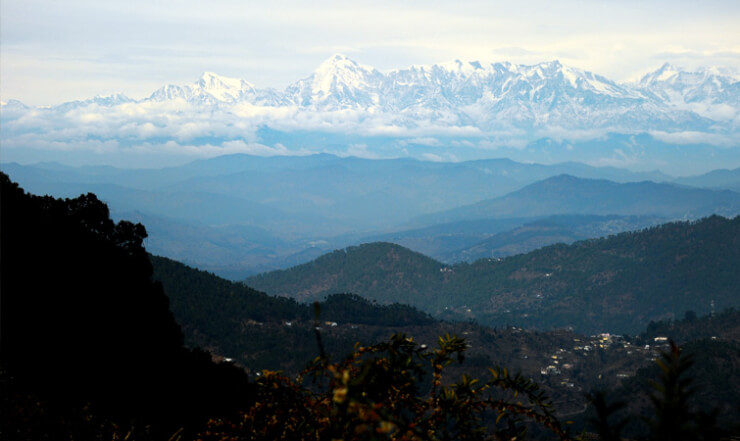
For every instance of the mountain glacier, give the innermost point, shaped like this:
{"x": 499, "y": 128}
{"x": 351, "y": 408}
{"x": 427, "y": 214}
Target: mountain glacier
{"x": 455, "y": 104}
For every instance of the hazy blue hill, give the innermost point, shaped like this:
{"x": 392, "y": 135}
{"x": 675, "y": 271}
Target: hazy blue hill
{"x": 531, "y": 172}
{"x": 548, "y": 231}
{"x": 227, "y": 250}
{"x": 197, "y": 207}
{"x": 471, "y": 240}
{"x": 52, "y": 173}
{"x": 567, "y": 194}
{"x": 322, "y": 183}
{"x": 323, "y": 202}
{"x": 360, "y": 194}
{"x": 193, "y": 206}
{"x": 440, "y": 241}
{"x": 727, "y": 179}
{"x": 616, "y": 284}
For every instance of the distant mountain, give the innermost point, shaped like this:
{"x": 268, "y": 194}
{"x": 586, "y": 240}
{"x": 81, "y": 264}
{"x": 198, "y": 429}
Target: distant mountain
{"x": 547, "y": 231}
{"x": 616, "y": 284}
{"x": 702, "y": 92}
{"x": 447, "y": 110}
{"x": 234, "y": 251}
{"x": 441, "y": 240}
{"x": 566, "y": 194}
{"x": 475, "y": 239}
{"x": 725, "y": 179}
{"x": 209, "y": 213}
{"x": 496, "y": 96}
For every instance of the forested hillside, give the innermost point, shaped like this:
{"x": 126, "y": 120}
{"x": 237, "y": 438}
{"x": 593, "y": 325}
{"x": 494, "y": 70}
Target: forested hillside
{"x": 380, "y": 271}
{"x": 266, "y": 332}
{"x": 263, "y": 332}
{"x": 616, "y": 284}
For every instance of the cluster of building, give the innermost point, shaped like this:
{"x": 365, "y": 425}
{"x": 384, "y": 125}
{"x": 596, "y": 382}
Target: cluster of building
{"x": 564, "y": 360}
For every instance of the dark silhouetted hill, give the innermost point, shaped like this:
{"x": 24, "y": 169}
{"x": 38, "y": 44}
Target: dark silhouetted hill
{"x": 86, "y": 330}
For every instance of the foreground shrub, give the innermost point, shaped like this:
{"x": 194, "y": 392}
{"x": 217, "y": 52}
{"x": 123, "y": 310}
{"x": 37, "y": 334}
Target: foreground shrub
{"x": 392, "y": 390}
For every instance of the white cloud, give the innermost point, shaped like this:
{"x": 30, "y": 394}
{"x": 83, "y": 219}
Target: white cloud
{"x": 689, "y": 137}
{"x": 500, "y": 143}
{"x": 432, "y": 157}
{"x": 359, "y": 151}
{"x": 427, "y": 141}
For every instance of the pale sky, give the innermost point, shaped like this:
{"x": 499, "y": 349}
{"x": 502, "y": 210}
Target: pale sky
{"x": 52, "y": 51}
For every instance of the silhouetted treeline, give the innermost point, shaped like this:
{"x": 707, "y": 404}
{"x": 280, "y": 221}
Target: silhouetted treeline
{"x": 87, "y": 335}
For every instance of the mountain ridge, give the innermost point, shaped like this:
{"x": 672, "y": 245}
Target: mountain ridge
{"x": 615, "y": 284}
{"x": 496, "y": 96}
{"x": 567, "y": 194}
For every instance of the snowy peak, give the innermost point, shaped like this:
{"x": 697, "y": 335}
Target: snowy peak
{"x": 338, "y": 63}
{"x": 212, "y": 82}
{"x": 225, "y": 89}
{"x": 462, "y": 68}
{"x": 209, "y": 89}
{"x": 112, "y": 99}
{"x": 670, "y": 76}
{"x": 665, "y": 73}
{"x": 341, "y": 72}
{"x": 338, "y": 82}
{"x": 555, "y": 74}
{"x": 12, "y": 109}
{"x": 550, "y": 83}
{"x": 696, "y": 91}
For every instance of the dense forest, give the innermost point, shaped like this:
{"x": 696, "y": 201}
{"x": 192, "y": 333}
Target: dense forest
{"x": 616, "y": 284}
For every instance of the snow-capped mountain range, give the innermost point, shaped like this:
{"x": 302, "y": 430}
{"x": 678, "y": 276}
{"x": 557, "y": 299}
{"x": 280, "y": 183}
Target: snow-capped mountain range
{"x": 497, "y": 96}
{"x": 501, "y": 103}
{"x": 487, "y": 96}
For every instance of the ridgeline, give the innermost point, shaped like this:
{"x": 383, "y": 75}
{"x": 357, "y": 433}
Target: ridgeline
{"x": 616, "y": 284}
